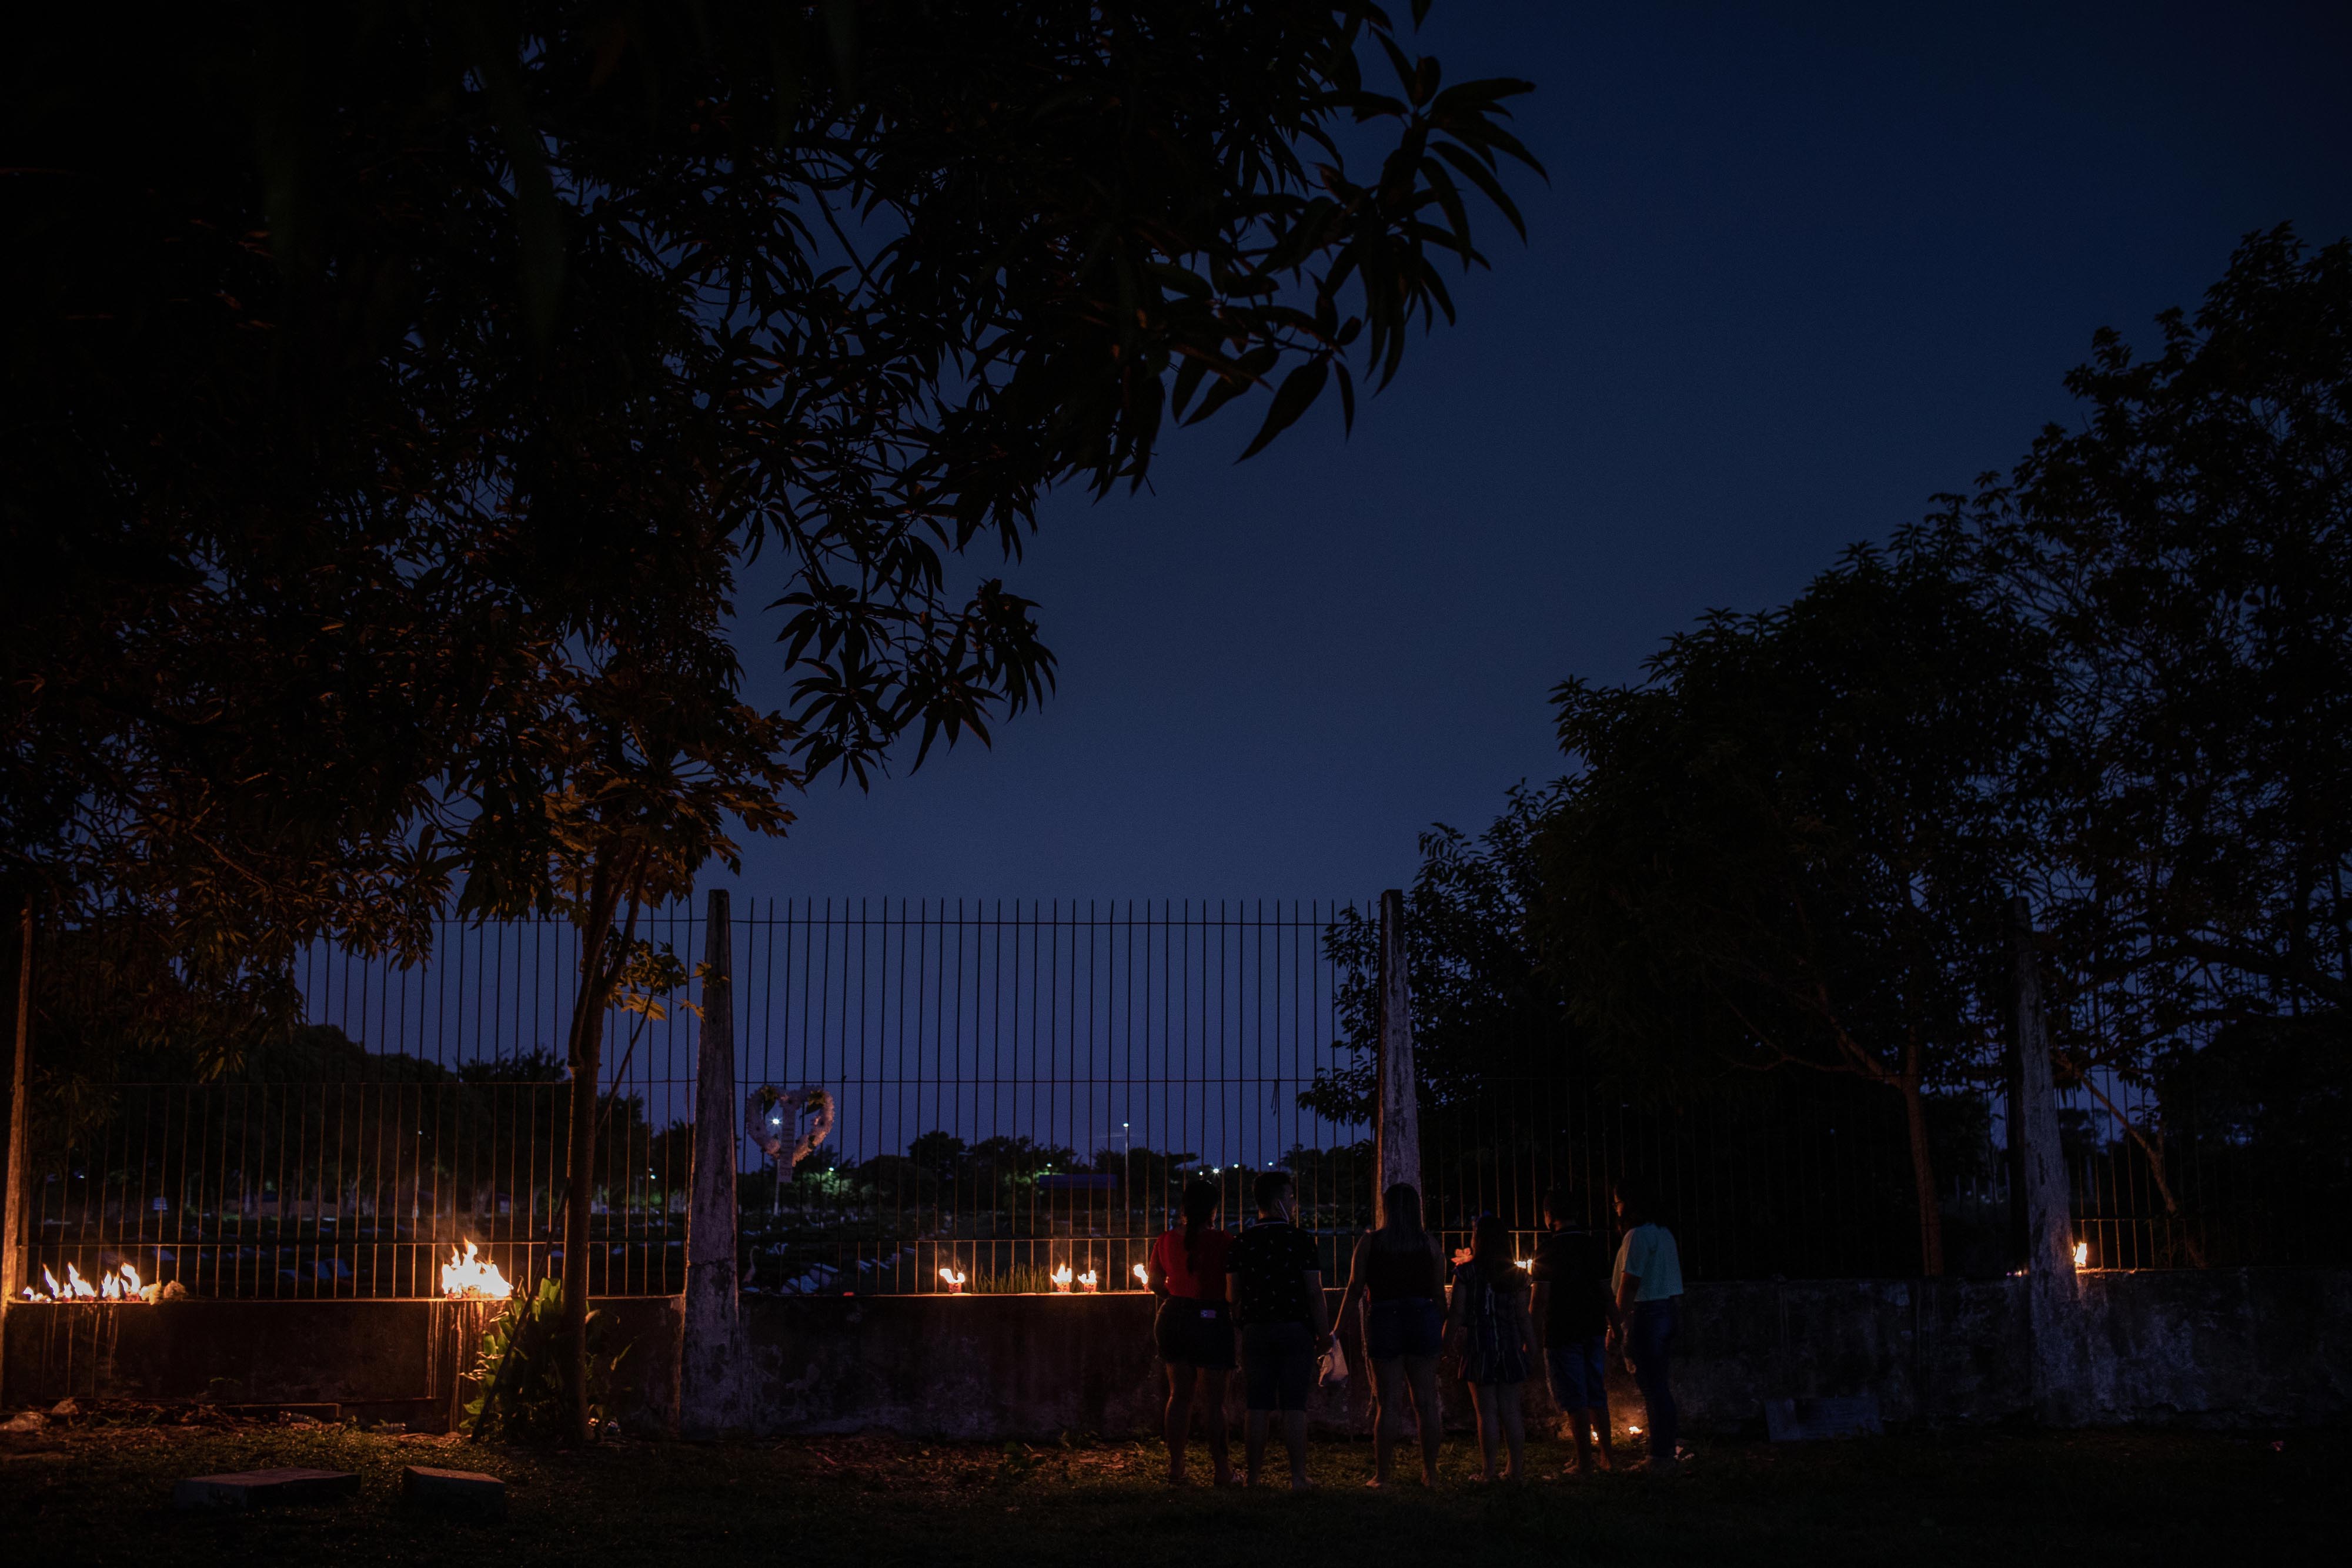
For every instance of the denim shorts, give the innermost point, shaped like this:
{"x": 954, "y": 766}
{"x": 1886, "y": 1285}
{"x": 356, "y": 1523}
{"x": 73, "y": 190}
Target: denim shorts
{"x": 1278, "y": 1365}
{"x": 1408, "y": 1326}
{"x": 1576, "y": 1371}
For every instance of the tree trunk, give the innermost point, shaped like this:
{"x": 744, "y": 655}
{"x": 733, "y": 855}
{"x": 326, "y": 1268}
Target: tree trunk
{"x": 1923, "y": 1178}
{"x": 579, "y": 1176}
{"x": 585, "y": 1059}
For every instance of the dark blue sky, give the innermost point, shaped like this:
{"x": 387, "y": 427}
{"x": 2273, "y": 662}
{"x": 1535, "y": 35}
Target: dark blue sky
{"x": 1796, "y": 269}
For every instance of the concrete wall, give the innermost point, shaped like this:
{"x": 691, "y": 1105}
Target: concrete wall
{"x": 2221, "y": 1347}
{"x": 2214, "y": 1347}
{"x": 381, "y": 1361}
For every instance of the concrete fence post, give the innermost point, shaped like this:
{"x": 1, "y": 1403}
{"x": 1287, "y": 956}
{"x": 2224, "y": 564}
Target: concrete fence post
{"x": 2060, "y": 1371}
{"x": 13, "y": 1240}
{"x": 708, "y": 1401}
{"x": 1396, "y": 1119}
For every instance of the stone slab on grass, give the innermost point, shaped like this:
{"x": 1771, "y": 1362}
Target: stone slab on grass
{"x": 265, "y": 1488}
{"x": 468, "y": 1493}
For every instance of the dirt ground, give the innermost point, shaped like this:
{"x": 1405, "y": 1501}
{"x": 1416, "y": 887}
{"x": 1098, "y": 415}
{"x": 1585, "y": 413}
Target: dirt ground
{"x": 96, "y": 1488}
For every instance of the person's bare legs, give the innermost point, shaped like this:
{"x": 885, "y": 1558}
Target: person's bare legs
{"x": 1591, "y": 1425}
{"x": 1421, "y": 1375}
{"x": 1387, "y": 1415}
{"x": 1254, "y": 1444}
{"x": 1212, "y": 1417}
{"x": 1294, "y": 1437}
{"x": 1179, "y": 1423}
{"x": 1484, "y": 1400}
{"x": 1515, "y": 1429}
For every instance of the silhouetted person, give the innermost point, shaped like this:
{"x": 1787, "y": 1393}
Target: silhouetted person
{"x": 1572, "y": 1312}
{"x": 1647, "y": 1291}
{"x": 1400, "y": 1269}
{"x": 1194, "y": 1328}
{"x": 1487, "y": 1326}
{"x": 1275, "y": 1283}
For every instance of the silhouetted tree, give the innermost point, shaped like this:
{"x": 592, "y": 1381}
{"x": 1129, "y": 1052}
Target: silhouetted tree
{"x": 444, "y": 365}
{"x": 2189, "y": 548}
{"x": 1782, "y": 850}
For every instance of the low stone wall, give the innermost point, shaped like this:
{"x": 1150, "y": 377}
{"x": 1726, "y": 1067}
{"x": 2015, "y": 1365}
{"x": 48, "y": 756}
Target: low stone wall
{"x": 2247, "y": 1348}
{"x": 2221, "y": 1347}
{"x": 380, "y": 1361}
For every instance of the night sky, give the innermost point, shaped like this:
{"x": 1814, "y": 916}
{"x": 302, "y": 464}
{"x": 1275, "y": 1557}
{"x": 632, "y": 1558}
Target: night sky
{"x": 1789, "y": 279}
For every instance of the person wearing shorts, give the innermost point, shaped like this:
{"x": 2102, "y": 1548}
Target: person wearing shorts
{"x": 1571, "y": 1317}
{"x": 1399, "y": 1271}
{"x": 1194, "y": 1328}
{"x": 1274, "y": 1279}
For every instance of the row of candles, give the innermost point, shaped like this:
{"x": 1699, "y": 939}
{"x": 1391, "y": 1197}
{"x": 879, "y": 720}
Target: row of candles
{"x": 474, "y": 1278}
{"x": 121, "y": 1284}
{"x": 1089, "y": 1283}
{"x": 471, "y": 1276}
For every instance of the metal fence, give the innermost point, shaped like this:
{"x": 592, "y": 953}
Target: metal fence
{"x": 2187, "y": 1179}
{"x": 418, "y": 1110}
{"x": 1022, "y": 1088}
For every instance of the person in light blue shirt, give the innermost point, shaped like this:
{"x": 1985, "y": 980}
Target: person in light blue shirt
{"x": 1646, "y": 1293}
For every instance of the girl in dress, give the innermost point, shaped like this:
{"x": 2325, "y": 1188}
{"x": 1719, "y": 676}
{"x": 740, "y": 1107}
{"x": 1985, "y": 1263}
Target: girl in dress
{"x": 1487, "y": 1328}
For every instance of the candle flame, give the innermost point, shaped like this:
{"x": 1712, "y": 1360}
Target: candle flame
{"x": 955, "y": 1279}
{"x": 1087, "y": 1281}
{"x": 121, "y": 1284}
{"x": 1142, "y": 1277}
{"x": 2081, "y": 1254}
{"x": 473, "y": 1278}
{"x": 1062, "y": 1277}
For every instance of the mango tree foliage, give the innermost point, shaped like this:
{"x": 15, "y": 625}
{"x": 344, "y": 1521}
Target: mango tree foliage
{"x": 395, "y": 393}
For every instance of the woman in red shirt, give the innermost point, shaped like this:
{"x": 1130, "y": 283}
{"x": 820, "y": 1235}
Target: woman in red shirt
{"x": 1187, "y": 1272}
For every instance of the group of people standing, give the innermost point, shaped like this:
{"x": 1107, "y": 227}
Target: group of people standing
{"x": 1255, "y": 1301}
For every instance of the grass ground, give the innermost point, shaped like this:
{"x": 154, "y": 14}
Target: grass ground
{"x": 91, "y": 1495}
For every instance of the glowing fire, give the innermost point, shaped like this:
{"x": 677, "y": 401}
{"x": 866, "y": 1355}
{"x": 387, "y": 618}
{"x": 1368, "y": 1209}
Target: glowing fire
{"x": 2081, "y": 1254}
{"x": 122, "y": 1285}
{"x": 955, "y": 1279}
{"x": 473, "y": 1277}
{"x": 1527, "y": 1263}
{"x": 1087, "y": 1281}
{"x": 1142, "y": 1277}
{"x": 1062, "y": 1277}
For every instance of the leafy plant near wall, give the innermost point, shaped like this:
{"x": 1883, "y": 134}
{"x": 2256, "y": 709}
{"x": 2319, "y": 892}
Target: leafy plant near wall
{"x": 523, "y": 1381}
